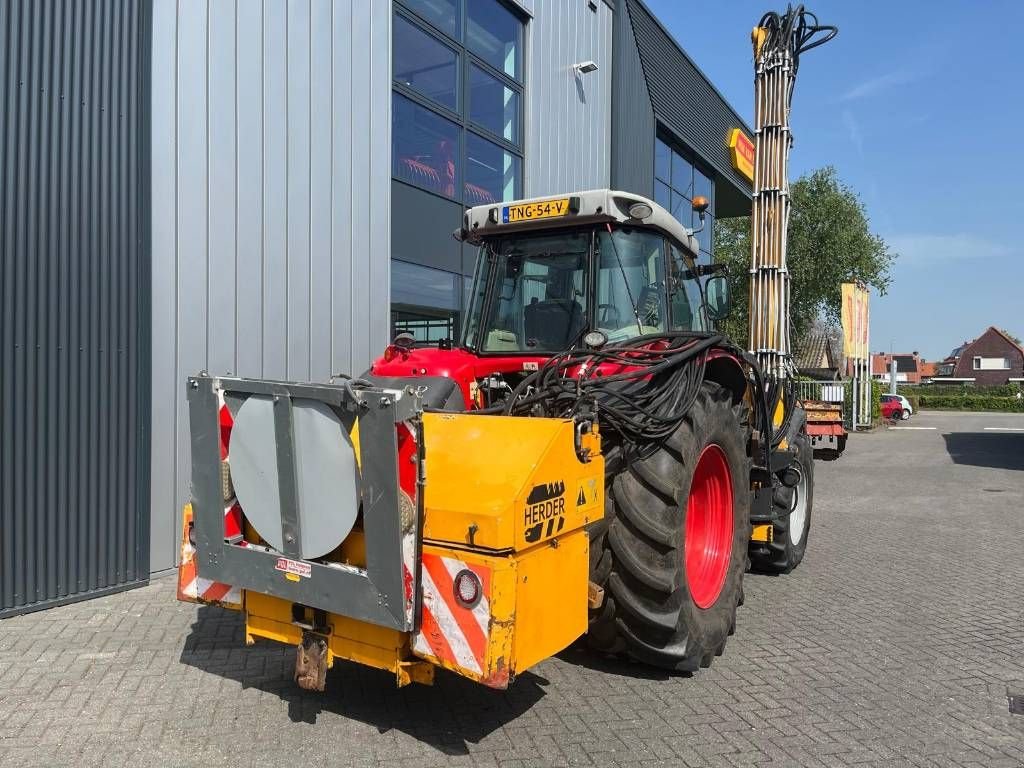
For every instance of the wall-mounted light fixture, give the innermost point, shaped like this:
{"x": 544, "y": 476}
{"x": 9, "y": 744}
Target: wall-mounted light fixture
{"x": 584, "y": 67}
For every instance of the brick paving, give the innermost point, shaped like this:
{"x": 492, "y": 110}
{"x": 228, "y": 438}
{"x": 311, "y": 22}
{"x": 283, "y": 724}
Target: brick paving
{"x": 895, "y": 643}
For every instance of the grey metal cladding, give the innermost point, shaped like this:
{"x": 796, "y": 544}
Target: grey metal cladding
{"x": 633, "y": 117}
{"x": 271, "y": 204}
{"x": 568, "y": 118}
{"x": 688, "y": 105}
{"x": 74, "y": 298}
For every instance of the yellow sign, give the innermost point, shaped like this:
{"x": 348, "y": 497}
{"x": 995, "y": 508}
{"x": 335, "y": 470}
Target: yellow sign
{"x": 855, "y": 321}
{"x": 741, "y": 149}
{"x": 545, "y": 209}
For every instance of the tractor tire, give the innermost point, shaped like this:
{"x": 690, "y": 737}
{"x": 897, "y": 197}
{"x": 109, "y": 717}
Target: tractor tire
{"x": 793, "y": 517}
{"x": 672, "y": 549}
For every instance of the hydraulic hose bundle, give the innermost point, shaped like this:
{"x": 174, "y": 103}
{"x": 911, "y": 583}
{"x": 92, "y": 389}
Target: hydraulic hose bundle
{"x": 778, "y": 43}
{"x": 643, "y": 402}
{"x": 640, "y": 390}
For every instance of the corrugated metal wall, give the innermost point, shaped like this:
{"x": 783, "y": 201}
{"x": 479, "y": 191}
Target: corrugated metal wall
{"x": 633, "y": 126}
{"x": 568, "y": 116}
{"x": 689, "y": 106}
{"x": 74, "y": 297}
{"x": 271, "y": 204}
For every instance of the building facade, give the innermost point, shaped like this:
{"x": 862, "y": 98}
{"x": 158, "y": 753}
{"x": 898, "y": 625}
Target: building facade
{"x": 288, "y": 175}
{"x": 989, "y": 360}
{"x": 909, "y": 367}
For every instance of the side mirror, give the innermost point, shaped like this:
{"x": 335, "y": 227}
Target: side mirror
{"x": 717, "y": 298}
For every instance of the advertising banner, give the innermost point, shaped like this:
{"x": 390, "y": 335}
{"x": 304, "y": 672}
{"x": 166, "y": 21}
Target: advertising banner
{"x": 855, "y": 321}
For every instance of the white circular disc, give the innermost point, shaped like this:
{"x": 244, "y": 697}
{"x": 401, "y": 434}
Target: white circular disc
{"x": 327, "y": 476}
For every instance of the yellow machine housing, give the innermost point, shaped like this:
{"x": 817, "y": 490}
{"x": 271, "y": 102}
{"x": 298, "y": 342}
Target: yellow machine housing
{"x": 513, "y": 517}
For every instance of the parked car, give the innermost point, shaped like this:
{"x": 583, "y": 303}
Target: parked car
{"x": 898, "y": 407}
{"x": 892, "y": 410}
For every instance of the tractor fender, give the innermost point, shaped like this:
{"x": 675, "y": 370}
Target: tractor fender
{"x": 723, "y": 368}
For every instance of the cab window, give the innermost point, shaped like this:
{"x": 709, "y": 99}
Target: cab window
{"x": 540, "y": 300}
{"x": 630, "y": 284}
{"x": 685, "y": 298}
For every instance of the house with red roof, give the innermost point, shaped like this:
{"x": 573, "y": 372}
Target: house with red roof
{"x": 991, "y": 359}
{"x": 908, "y": 367}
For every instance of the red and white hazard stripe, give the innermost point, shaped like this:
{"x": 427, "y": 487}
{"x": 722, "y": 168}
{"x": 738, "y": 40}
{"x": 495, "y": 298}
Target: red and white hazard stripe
{"x": 452, "y": 633}
{"x": 194, "y": 588}
{"x": 233, "y": 521}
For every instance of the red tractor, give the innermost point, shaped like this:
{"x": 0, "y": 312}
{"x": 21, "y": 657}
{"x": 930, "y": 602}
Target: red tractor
{"x": 593, "y": 307}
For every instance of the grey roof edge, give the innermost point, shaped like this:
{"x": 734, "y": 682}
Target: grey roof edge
{"x": 701, "y": 72}
{"x": 595, "y": 205}
{"x": 740, "y": 188}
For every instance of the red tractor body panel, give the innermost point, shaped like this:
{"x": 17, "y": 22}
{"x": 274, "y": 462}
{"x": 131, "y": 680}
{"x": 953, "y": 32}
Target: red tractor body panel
{"x": 466, "y": 367}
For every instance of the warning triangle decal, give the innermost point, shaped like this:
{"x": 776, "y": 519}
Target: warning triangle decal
{"x": 581, "y": 499}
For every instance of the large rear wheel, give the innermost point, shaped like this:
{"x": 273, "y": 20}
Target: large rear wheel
{"x": 672, "y": 550}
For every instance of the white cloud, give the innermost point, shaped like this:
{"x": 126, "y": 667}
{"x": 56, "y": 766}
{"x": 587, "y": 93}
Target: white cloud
{"x": 884, "y": 82}
{"x": 933, "y": 248}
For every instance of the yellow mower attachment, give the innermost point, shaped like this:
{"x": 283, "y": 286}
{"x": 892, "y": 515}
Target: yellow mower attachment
{"x": 507, "y": 500}
{"x": 502, "y": 558}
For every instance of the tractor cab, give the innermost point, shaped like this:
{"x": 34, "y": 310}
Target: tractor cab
{"x": 551, "y": 271}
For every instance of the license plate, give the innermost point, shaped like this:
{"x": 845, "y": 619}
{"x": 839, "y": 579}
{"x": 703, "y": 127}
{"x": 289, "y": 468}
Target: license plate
{"x": 546, "y": 209}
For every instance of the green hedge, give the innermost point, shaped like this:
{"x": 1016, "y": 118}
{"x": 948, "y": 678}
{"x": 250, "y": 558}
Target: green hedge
{"x": 1002, "y": 390}
{"x": 962, "y": 397}
{"x": 915, "y": 401}
{"x": 971, "y": 402}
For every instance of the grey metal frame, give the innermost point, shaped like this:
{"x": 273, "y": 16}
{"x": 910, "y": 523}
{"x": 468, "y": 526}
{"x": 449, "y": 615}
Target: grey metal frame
{"x": 375, "y": 594}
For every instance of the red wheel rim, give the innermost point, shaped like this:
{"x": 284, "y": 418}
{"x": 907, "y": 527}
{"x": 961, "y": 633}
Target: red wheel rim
{"x": 709, "y": 522}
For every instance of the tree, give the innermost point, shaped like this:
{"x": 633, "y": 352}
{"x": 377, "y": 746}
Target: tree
{"x": 830, "y": 243}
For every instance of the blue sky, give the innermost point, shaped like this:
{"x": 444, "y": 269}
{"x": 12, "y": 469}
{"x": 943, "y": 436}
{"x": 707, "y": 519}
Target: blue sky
{"x": 920, "y": 107}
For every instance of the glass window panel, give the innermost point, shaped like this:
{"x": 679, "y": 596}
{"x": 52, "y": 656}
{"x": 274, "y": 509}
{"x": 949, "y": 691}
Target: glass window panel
{"x": 416, "y": 285}
{"x": 681, "y": 209}
{"x": 704, "y": 236}
{"x": 475, "y": 296}
{"x": 443, "y": 14}
{"x": 492, "y": 173}
{"x": 630, "y": 282}
{"x": 493, "y": 105}
{"x": 702, "y": 185}
{"x": 424, "y": 323}
{"x": 425, "y": 147}
{"x": 682, "y": 174}
{"x": 495, "y": 35}
{"x": 541, "y": 302}
{"x": 685, "y": 299}
{"x": 425, "y": 64}
{"x": 662, "y": 161}
{"x": 662, "y": 196}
